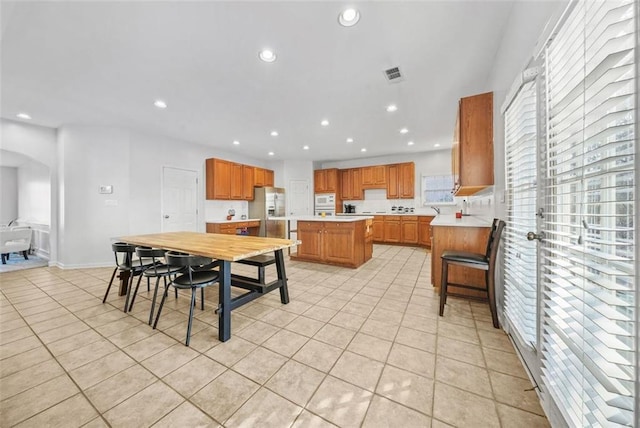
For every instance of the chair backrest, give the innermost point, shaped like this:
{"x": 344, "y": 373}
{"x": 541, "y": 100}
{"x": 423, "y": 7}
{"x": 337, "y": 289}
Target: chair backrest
{"x": 494, "y": 239}
{"x": 15, "y": 240}
{"x": 151, "y": 255}
{"x": 186, "y": 260}
{"x": 123, "y": 253}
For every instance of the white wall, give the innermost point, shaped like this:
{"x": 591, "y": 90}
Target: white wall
{"x": 298, "y": 170}
{"x": 131, "y": 162}
{"x": 34, "y": 193}
{"x": 9, "y": 192}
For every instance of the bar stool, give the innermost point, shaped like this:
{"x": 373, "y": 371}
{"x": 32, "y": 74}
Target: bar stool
{"x": 156, "y": 269}
{"x": 486, "y": 262}
{"x": 194, "y": 278}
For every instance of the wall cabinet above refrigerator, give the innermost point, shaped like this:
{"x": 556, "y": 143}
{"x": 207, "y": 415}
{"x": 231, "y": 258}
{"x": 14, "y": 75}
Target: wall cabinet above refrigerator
{"x": 226, "y": 180}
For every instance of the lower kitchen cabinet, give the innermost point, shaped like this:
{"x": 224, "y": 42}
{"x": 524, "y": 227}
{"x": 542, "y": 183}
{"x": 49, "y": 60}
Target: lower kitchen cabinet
{"x": 472, "y": 239}
{"x": 409, "y": 229}
{"x": 378, "y": 228}
{"x": 310, "y": 233}
{"x": 402, "y": 229}
{"x": 424, "y": 230}
{"x": 335, "y": 243}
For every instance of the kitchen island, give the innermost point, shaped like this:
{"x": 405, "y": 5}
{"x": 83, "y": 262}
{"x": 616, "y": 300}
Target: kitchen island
{"x": 340, "y": 241}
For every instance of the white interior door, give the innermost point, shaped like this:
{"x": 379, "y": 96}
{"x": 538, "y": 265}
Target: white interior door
{"x": 179, "y": 200}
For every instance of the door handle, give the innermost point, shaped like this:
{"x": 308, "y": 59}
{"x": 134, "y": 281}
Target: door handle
{"x": 166, "y": 216}
{"x": 539, "y": 236}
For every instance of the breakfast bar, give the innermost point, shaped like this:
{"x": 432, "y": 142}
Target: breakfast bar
{"x": 227, "y": 249}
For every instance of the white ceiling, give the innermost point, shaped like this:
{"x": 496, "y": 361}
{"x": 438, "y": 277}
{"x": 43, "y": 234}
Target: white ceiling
{"x": 106, "y": 62}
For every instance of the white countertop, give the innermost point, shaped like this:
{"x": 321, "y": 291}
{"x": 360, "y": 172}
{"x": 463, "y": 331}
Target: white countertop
{"x": 234, "y": 220}
{"x": 382, "y": 213}
{"x": 328, "y": 218}
{"x": 465, "y": 221}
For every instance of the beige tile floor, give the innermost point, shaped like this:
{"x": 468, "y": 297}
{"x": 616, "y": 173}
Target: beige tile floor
{"x": 354, "y": 348}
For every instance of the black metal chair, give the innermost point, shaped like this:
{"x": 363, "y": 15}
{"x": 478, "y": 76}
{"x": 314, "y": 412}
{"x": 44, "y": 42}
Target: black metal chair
{"x": 156, "y": 269}
{"x": 486, "y": 262}
{"x": 123, "y": 254}
{"x": 196, "y": 276}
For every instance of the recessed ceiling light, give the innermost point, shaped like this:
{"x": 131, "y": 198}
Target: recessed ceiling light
{"x": 305, "y": 147}
{"x": 363, "y": 149}
{"x": 160, "y": 104}
{"x": 236, "y": 142}
{"x": 410, "y": 143}
{"x": 23, "y": 116}
{"x": 392, "y": 108}
{"x": 274, "y": 133}
{"x": 436, "y": 145}
{"x": 349, "y": 17}
{"x": 267, "y": 55}
{"x": 404, "y": 130}
{"x": 324, "y": 122}
{"x": 271, "y": 153}
{"x": 349, "y": 140}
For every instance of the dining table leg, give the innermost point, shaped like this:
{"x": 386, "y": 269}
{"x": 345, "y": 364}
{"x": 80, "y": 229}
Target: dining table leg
{"x": 224, "y": 309}
{"x": 282, "y": 277}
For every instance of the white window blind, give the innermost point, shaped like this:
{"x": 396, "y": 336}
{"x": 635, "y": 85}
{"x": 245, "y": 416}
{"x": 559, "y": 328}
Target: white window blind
{"x": 588, "y": 269}
{"x": 520, "y": 265}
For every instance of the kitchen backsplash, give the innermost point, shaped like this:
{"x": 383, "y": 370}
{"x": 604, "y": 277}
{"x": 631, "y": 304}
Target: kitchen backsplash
{"x": 376, "y": 201}
{"x": 218, "y": 210}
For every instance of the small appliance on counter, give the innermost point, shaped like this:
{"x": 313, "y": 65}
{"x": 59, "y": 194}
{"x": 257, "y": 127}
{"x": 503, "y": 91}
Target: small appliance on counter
{"x": 349, "y": 208}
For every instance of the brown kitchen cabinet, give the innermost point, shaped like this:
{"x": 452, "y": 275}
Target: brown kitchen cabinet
{"x": 235, "y": 227}
{"x": 310, "y": 234}
{"x": 247, "y": 182}
{"x": 378, "y": 228}
{"x": 472, "y": 151}
{"x": 368, "y": 239}
{"x": 473, "y": 239}
{"x": 401, "y": 181}
{"x": 392, "y": 231}
{"x": 335, "y": 243}
{"x": 325, "y": 180}
{"x": 424, "y": 230}
{"x": 237, "y": 179}
{"x": 230, "y": 180}
{"x": 351, "y": 184}
{"x": 218, "y": 179}
{"x": 263, "y": 177}
{"x": 409, "y": 229}
{"x": 374, "y": 177}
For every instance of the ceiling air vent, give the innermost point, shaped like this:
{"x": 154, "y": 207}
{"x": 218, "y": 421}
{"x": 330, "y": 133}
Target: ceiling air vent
{"x": 393, "y": 75}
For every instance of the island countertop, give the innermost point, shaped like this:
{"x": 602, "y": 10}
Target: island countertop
{"x": 232, "y": 221}
{"x": 340, "y": 219}
{"x": 465, "y": 221}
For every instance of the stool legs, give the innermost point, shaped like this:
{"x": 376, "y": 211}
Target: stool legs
{"x": 443, "y": 286}
{"x": 491, "y": 291}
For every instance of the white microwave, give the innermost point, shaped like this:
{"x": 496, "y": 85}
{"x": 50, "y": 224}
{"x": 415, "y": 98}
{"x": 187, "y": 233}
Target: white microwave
{"x": 326, "y": 200}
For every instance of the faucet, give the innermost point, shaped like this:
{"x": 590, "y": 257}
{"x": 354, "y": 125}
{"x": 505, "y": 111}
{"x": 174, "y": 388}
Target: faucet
{"x": 436, "y": 209}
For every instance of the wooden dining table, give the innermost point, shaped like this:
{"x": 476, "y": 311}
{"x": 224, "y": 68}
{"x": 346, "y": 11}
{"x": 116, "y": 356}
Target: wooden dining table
{"x": 226, "y": 249}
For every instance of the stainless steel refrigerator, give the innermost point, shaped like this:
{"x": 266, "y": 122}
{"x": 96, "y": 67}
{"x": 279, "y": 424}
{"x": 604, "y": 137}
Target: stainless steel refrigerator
{"x": 269, "y": 202}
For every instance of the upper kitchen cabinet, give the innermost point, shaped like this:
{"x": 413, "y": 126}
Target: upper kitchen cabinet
{"x": 374, "y": 177}
{"x": 401, "y": 181}
{"x": 218, "y": 179}
{"x": 233, "y": 181}
{"x": 325, "y": 180}
{"x": 263, "y": 177}
{"x": 472, "y": 152}
{"x": 351, "y": 184}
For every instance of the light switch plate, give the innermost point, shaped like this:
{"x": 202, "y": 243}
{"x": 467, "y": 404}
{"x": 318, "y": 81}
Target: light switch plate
{"x": 106, "y": 189}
